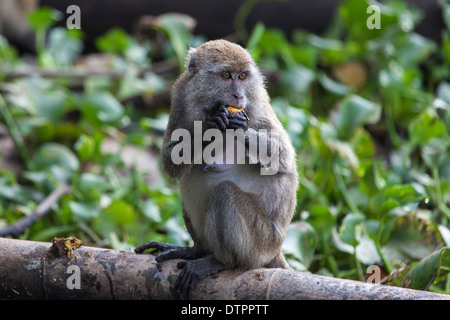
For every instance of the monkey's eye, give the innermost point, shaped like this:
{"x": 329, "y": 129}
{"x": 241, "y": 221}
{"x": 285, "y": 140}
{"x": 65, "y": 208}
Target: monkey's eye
{"x": 226, "y": 75}
{"x": 242, "y": 75}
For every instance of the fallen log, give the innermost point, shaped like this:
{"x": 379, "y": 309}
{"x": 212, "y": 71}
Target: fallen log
{"x": 65, "y": 270}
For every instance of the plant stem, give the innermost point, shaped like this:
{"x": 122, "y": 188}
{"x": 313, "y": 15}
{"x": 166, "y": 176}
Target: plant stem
{"x": 440, "y": 199}
{"x": 341, "y": 185}
{"x": 359, "y": 268}
{"x": 14, "y": 132}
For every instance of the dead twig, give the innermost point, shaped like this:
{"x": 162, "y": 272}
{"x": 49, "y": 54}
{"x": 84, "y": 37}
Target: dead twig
{"x": 21, "y": 225}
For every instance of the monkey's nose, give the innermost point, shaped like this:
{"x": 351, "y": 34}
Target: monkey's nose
{"x": 238, "y": 97}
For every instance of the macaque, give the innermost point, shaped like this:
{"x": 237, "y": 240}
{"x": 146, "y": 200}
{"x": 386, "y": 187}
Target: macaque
{"x": 237, "y": 213}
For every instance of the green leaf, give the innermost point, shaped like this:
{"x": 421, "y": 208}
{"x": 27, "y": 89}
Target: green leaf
{"x": 43, "y": 18}
{"x": 423, "y": 274}
{"x": 18, "y": 193}
{"x": 354, "y": 111}
{"x": 301, "y": 242}
{"x": 255, "y": 37}
{"x": 64, "y": 45}
{"x": 415, "y": 49}
{"x": 91, "y": 185}
{"x": 104, "y": 107}
{"x": 85, "y": 147}
{"x": 333, "y": 86}
{"x": 297, "y": 80}
{"x": 178, "y": 29}
{"x": 425, "y": 127}
{"x": 366, "y": 250}
{"x": 115, "y": 41}
{"x": 54, "y": 154}
{"x": 151, "y": 210}
{"x": 83, "y": 210}
{"x": 120, "y": 212}
{"x": 350, "y": 227}
{"x": 445, "y": 12}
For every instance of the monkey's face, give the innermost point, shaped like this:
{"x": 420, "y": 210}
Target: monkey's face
{"x": 226, "y": 85}
{"x": 223, "y": 73}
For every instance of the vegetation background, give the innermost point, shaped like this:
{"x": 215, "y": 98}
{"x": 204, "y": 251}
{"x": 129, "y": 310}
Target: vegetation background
{"x": 366, "y": 109}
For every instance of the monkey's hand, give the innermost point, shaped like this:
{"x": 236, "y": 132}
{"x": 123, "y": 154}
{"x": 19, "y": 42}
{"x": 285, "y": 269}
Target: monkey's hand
{"x": 193, "y": 271}
{"x": 168, "y": 251}
{"x": 228, "y": 118}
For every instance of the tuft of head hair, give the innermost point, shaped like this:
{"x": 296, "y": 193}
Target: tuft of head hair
{"x": 229, "y": 55}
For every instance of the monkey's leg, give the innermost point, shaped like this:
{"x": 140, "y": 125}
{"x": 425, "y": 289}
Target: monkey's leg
{"x": 238, "y": 232}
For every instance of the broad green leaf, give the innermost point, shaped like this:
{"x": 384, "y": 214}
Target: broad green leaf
{"x": 333, "y": 86}
{"x": 91, "y": 185}
{"x": 415, "y": 49}
{"x": 177, "y": 28}
{"x": 104, "y": 107}
{"x": 353, "y": 112}
{"x": 43, "y": 18}
{"x": 18, "y": 193}
{"x": 115, "y": 41}
{"x": 83, "y": 210}
{"x": 366, "y": 250}
{"x": 120, "y": 212}
{"x": 445, "y": 233}
{"x": 85, "y": 147}
{"x": 151, "y": 210}
{"x": 422, "y": 275}
{"x": 339, "y": 244}
{"x": 177, "y": 234}
{"x": 425, "y": 127}
{"x": 64, "y": 45}
{"x": 301, "y": 242}
{"x": 54, "y": 154}
{"x": 255, "y": 37}
{"x": 350, "y": 228}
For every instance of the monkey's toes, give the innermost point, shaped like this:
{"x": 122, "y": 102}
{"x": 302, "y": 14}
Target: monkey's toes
{"x": 193, "y": 271}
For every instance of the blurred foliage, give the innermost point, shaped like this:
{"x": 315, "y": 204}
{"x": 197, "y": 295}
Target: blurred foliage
{"x": 367, "y": 111}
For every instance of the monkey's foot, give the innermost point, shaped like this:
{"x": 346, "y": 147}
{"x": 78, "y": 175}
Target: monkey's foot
{"x": 193, "y": 271}
{"x": 169, "y": 251}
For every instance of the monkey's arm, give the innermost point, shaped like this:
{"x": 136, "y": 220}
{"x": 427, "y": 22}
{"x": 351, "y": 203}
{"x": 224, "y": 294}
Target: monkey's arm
{"x": 268, "y": 148}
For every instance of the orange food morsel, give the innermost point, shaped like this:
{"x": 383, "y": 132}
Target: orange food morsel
{"x": 234, "y": 110}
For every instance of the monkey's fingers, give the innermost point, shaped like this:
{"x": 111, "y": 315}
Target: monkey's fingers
{"x": 218, "y": 122}
{"x": 188, "y": 253}
{"x": 237, "y": 124}
{"x": 241, "y": 116}
{"x": 157, "y": 246}
{"x": 223, "y": 109}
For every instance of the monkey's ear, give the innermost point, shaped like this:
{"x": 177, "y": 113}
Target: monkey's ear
{"x": 191, "y": 61}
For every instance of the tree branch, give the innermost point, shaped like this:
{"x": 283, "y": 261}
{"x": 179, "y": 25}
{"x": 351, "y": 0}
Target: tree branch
{"x": 21, "y": 225}
{"x": 29, "y": 271}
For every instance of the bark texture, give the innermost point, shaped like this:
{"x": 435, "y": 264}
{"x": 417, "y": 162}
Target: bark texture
{"x": 40, "y": 270}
